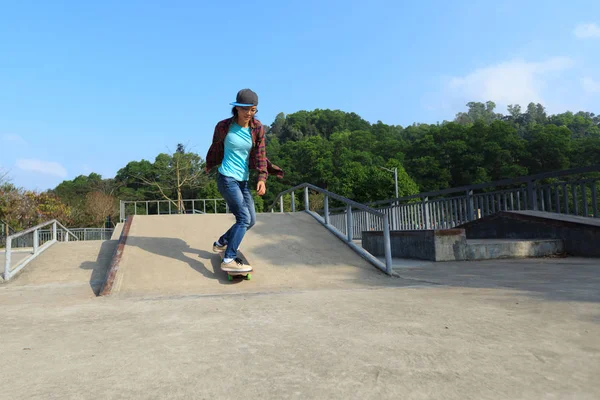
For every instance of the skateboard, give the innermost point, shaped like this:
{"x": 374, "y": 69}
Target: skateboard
{"x": 230, "y": 274}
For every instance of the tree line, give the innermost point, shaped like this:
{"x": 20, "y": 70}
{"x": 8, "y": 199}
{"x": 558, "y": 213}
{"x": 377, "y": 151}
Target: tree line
{"x": 341, "y": 152}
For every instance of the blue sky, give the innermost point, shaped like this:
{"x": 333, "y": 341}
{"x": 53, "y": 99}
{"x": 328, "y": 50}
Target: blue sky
{"x": 89, "y": 86}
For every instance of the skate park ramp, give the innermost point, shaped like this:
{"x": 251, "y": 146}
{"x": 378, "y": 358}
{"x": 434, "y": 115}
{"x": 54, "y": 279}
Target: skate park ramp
{"x": 172, "y": 255}
{"x": 75, "y": 269}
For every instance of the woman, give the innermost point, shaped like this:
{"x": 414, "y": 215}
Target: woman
{"x": 239, "y": 145}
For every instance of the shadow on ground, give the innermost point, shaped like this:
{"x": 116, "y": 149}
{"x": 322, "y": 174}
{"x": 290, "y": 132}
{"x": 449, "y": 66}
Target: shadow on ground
{"x": 178, "y": 249}
{"x": 100, "y": 266}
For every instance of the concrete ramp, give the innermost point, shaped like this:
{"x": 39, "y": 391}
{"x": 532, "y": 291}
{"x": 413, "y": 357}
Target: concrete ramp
{"x": 172, "y": 255}
{"x": 73, "y": 268}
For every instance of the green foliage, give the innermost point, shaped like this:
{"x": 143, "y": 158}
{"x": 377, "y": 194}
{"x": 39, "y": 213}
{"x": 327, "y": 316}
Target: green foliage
{"x": 343, "y": 153}
{"x": 22, "y": 209}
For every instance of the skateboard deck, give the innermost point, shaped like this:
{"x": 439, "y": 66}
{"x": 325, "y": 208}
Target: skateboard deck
{"x": 230, "y": 274}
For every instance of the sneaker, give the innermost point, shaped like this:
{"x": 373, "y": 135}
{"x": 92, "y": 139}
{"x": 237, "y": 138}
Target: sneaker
{"x": 218, "y": 249}
{"x": 236, "y": 265}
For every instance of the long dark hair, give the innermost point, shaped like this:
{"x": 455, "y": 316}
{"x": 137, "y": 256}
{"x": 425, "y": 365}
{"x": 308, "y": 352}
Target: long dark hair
{"x": 234, "y": 111}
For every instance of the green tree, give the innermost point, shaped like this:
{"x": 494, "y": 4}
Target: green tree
{"x": 549, "y": 149}
{"x": 175, "y": 177}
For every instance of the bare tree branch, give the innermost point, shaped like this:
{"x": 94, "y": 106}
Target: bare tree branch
{"x": 151, "y": 183}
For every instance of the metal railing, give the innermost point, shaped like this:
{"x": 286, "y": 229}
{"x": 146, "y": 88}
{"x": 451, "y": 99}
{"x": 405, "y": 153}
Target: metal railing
{"x": 38, "y": 246}
{"x": 82, "y": 234}
{"x": 166, "y": 207}
{"x": 438, "y": 210}
{"x": 343, "y": 234}
{"x": 3, "y": 235}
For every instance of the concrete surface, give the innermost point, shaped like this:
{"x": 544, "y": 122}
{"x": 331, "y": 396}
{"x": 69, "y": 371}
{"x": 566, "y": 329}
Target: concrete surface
{"x": 580, "y": 235}
{"x": 527, "y": 329}
{"x": 172, "y": 255}
{"x": 452, "y": 245}
{"x": 432, "y": 245}
{"x": 312, "y": 324}
{"x": 81, "y": 265}
{"x": 116, "y": 234}
{"x": 489, "y": 249}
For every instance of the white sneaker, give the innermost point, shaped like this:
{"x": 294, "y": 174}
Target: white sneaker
{"x": 236, "y": 265}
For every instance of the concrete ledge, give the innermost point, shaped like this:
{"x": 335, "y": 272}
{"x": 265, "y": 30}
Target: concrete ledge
{"x": 111, "y": 275}
{"x": 452, "y": 245}
{"x": 432, "y": 245}
{"x": 490, "y": 249}
{"x": 581, "y": 235}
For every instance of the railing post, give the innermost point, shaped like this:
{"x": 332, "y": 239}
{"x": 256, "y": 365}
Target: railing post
{"x": 36, "y": 241}
{"x": 293, "y": 201}
{"x": 54, "y": 237}
{"x": 425, "y": 212}
{"x": 121, "y": 211}
{"x": 326, "y": 209}
{"x": 349, "y": 227}
{"x": 470, "y": 207}
{"x": 531, "y": 196}
{"x": 306, "y": 201}
{"x": 281, "y": 204}
{"x": 387, "y": 246}
{"x": 7, "y": 258}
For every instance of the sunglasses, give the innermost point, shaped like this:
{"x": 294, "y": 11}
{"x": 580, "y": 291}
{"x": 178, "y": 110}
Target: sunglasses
{"x": 248, "y": 110}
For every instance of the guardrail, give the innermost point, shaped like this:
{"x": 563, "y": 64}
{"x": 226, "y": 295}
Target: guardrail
{"x": 437, "y": 210}
{"x": 167, "y": 207}
{"x": 38, "y": 247}
{"x": 82, "y": 234}
{"x": 346, "y": 237}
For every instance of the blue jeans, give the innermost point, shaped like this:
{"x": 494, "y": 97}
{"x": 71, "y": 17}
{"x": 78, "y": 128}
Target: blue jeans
{"x": 241, "y": 204}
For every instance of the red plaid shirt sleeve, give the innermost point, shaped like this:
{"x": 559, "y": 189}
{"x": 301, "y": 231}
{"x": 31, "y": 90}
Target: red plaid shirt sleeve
{"x": 258, "y": 154}
{"x": 216, "y": 152}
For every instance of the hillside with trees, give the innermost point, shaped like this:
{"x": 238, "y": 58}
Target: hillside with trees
{"x": 343, "y": 153}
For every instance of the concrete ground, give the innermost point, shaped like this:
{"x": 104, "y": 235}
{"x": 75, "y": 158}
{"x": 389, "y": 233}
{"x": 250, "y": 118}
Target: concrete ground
{"x": 503, "y": 329}
{"x": 493, "y": 337}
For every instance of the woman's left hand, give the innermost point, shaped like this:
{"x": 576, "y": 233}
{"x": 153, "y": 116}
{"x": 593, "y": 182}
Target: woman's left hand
{"x": 261, "y": 188}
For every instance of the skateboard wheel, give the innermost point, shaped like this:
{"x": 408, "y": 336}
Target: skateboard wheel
{"x": 248, "y": 277}
{"x": 229, "y": 277}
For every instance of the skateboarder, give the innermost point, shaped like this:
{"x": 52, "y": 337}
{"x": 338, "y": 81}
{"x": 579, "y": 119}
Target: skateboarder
{"x": 239, "y": 146}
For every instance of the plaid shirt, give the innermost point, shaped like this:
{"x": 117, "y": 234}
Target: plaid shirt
{"x": 258, "y": 154}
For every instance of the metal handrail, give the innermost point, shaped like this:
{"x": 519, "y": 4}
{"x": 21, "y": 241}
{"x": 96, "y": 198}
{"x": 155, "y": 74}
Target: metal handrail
{"x": 37, "y": 227}
{"x": 172, "y": 206}
{"x": 37, "y": 249}
{"x": 502, "y": 182}
{"x": 348, "y": 238}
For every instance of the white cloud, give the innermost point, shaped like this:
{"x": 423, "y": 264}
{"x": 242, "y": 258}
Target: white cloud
{"x": 590, "y": 85}
{"x": 43, "y": 167}
{"x": 511, "y": 82}
{"x": 12, "y": 138}
{"x": 587, "y": 31}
